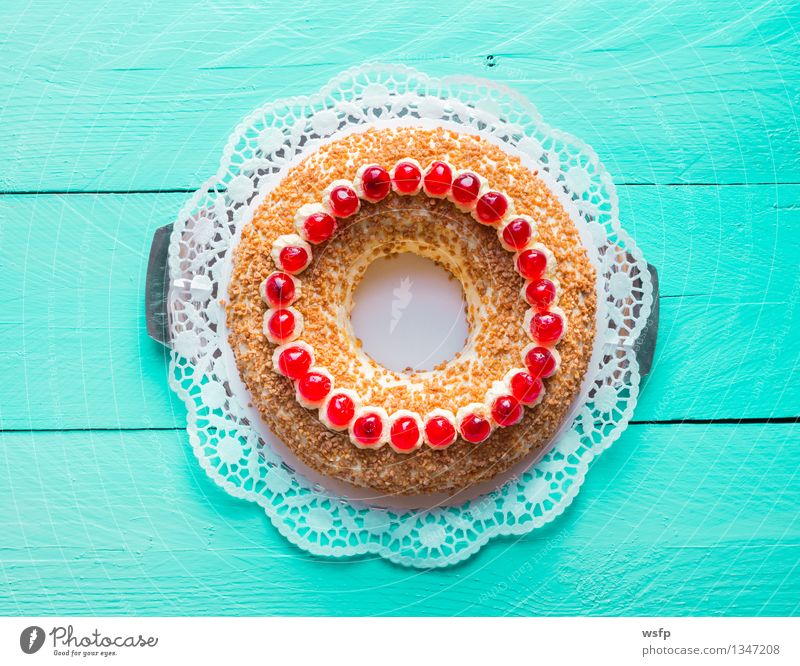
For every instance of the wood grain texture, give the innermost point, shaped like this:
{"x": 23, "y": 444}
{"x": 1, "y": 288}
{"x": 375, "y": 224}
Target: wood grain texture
{"x": 72, "y": 326}
{"x": 128, "y": 96}
{"x": 110, "y": 523}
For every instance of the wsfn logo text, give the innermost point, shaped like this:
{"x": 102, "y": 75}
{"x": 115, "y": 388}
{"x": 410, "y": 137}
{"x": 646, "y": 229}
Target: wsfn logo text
{"x": 656, "y": 633}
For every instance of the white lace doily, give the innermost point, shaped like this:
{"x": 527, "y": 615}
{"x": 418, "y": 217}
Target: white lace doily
{"x": 230, "y": 441}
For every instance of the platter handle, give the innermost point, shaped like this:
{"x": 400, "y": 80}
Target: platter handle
{"x": 157, "y": 287}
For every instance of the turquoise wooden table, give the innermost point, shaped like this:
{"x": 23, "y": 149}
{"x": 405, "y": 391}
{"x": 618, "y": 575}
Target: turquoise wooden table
{"x": 112, "y": 112}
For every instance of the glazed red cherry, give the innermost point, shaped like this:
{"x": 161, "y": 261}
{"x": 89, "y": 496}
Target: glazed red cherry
{"x": 340, "y": 410}
{"x": 279, "y": 289}
{"x": 294, "y": 362}
{"x": 540, "y": 293}
{"x": 540, "y": 362}
{"x": 281, "y": 324}
{"x": 344, "y": 201}
{"x": 293, "y": 259}
{"x": 526, "y": 388}
{"x": 376, "y": 183}
{"x": 506, "y": 411}
{"x": 440, "y": 432}
{"x": 319, "y": 227}
{"x": 314, "y": 386}
{"x": 367, "y": 429}
{"x": 547, "y": 327}
{"x": 475, "y": 428}
{"x": 491, "y": 207}
{"x": 466, "y": 188}
{"x": 532, "y": 264}
{"x": 407, "y": 177}
{"x": 438, "y": 178}
{"x": 518, "y": 233}
{"x": 404, "y": 433}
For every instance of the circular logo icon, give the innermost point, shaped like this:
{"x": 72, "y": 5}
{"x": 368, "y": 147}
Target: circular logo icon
{"x": 31, "y": 639}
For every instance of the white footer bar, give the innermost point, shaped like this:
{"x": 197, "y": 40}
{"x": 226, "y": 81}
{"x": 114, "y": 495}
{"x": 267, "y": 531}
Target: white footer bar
{"x": 379, "y": 641}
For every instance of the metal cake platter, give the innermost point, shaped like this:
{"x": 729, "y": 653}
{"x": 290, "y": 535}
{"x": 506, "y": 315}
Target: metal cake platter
{"x": 158, "y": 284}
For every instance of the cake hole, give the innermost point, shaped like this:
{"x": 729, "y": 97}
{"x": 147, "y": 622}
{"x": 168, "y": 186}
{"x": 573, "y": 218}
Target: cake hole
{"x": 409, "y": 313}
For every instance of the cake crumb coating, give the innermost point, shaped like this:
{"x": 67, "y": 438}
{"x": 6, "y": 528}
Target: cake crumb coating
{"x": 470, "y": 251}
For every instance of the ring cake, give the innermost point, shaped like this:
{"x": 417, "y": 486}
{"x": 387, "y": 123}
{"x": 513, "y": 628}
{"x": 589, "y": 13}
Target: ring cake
{"x": 529, "y": 288}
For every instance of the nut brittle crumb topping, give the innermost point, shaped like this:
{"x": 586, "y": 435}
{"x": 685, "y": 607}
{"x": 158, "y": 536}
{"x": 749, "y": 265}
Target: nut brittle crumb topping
{"x": 470, "y": 251}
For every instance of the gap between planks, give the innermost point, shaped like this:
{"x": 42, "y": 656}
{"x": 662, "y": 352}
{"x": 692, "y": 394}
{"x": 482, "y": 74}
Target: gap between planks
{"x": 192, "y": 190}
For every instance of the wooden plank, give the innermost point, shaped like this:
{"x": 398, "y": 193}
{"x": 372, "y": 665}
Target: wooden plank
{"x": 76, "y": 272}
{"x": 74, "y": 345}
{"x": 673, "y": 520}
{"x": 118, "y": 98}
